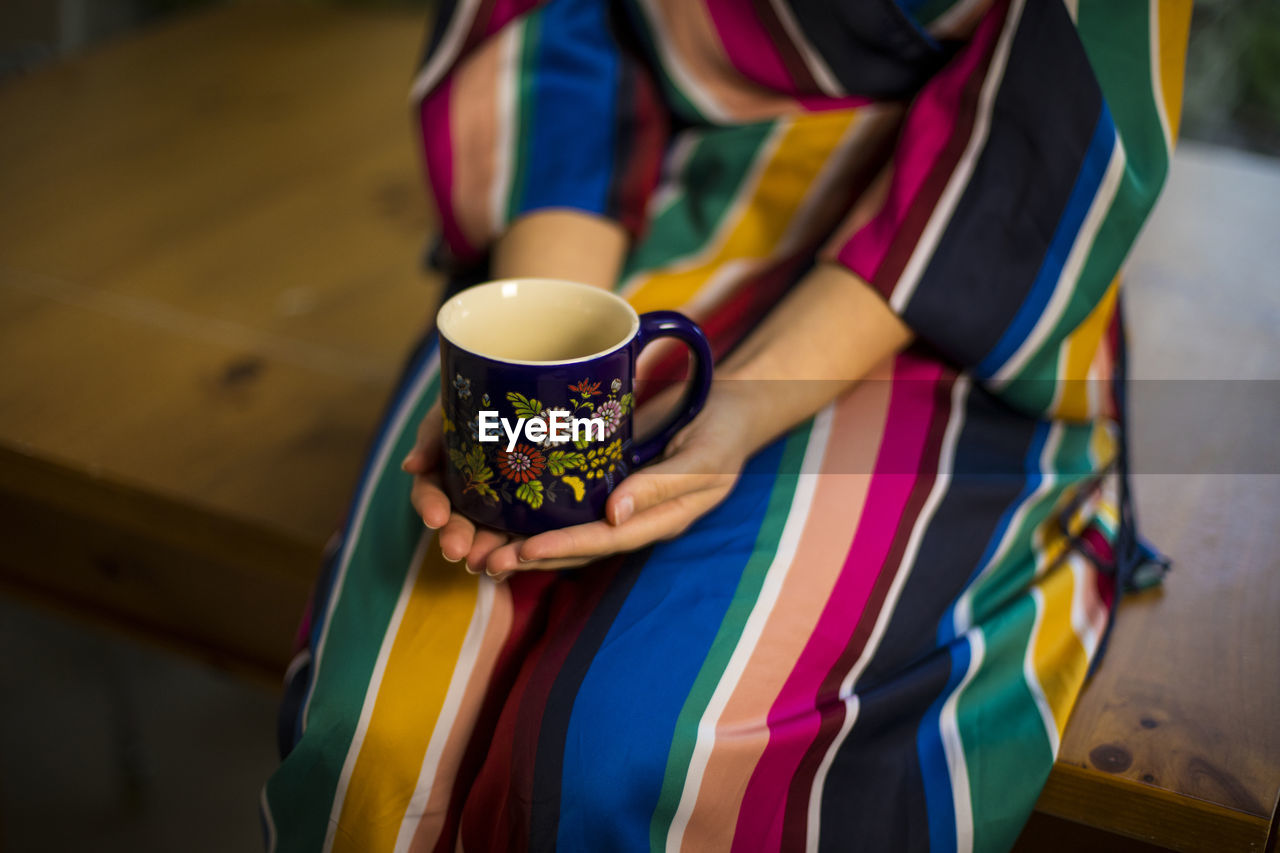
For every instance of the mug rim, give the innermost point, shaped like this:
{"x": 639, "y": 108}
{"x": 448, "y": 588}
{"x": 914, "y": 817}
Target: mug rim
{"x": 457, "y": 298}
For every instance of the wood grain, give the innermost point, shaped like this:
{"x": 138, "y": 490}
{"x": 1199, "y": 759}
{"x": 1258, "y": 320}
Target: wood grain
{"x": 208, "y": 277}
{"x": 1176, "y": 741}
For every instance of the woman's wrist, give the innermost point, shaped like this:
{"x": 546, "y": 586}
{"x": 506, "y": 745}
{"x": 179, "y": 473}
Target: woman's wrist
{"x": 561, "y": 243}
{"x": 828, "y": 333}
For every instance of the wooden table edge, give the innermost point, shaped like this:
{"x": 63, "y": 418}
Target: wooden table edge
{"x": 168, "y": 519}
{"x": 1150, "y": 813}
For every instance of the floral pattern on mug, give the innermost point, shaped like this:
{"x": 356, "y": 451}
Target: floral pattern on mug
{"x": 550, "y": 470}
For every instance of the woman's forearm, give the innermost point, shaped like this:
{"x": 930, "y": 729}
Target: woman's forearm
{"x": 563, "y": 244}
{"x": 824, "y": 336}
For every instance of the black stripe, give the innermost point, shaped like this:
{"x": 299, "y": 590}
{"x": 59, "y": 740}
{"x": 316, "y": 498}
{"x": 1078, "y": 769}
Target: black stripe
{"x": 1043, "y": 120}
{"x": 907, "y": 672}
{"x": 625, "y": 131}
{"x": 873, "y": 799}
{"x": 869, "y": 45}
{"x": 445, "y": 10}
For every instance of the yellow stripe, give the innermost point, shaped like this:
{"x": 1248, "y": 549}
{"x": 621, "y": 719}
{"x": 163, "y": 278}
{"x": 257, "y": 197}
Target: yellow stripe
{"x": 1079, "y": 350}
{"x": 405, "y": 712}
{"x": 1174, "y": 31}
{"x": 1102, "y": 442}
{"x": 783, "y": 184}
{"x": 1058, "y": 656}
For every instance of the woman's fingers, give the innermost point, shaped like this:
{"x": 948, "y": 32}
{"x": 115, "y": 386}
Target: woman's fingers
{"x": 691, "y": 469}
{"x": 429, "y": 499}
{"x": 586, "y": 542}
{"x": 457, "y": 537}
{"x": 422, "y": 458}
{"x": 485, "y": 542}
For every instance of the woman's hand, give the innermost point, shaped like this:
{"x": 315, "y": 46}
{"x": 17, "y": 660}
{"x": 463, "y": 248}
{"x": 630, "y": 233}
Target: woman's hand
{"x": 657, "y": 502}
{"x": 459, "y": 537}
{"x": 829, "y": 331}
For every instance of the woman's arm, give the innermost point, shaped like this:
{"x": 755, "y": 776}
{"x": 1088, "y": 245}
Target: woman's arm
{"x": 566, "y": 244}
{"x": 832, "y": 327}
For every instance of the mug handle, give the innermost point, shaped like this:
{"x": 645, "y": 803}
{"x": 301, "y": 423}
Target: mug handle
{"x": 672, "y": 324}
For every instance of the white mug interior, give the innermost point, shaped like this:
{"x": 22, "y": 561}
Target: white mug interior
{"x": 537, "y": 321}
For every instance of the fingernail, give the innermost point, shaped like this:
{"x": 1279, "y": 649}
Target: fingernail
{"x": 521, "y": 558}
{"x": 470, "y": 570}
{"x": 626, "y": 507}
{"x": 500, "y": 577}
{"x": 404, "y": 466}
{"x": 429, "y": 525}
{"x": 448, "y": 558}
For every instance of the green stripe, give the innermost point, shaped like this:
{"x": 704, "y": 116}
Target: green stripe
{"x": 675, "y": 99}
{"x": 301, "y": 791}
{"x": 1117, "y": 40}
{"x": 1007, "y": 752}
{"x": 1016, "y": 755}
{"x": 931, "y": 10}
{"x": 712, "y": 178}
{"x": 530, "y": 30}
{"x": 1070, "y": 465}
{"x": 730, "y": 633}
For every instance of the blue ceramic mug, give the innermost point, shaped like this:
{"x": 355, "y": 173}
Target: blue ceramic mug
{"x": 519, "y": 353}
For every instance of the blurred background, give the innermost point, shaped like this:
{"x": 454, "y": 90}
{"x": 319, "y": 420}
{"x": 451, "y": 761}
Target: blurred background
{"x": 109, "y": 743}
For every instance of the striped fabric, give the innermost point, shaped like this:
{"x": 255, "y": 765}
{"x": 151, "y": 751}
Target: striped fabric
{"x": 875, "y": 642}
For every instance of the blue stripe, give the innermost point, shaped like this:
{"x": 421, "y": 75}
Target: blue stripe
{"x": 624, "y": 716}
{"x": 947, "y": 628}
{"x": 571, "y": 111}
{"x": 1094, "y": 166}
{"x": 938, "y": 796}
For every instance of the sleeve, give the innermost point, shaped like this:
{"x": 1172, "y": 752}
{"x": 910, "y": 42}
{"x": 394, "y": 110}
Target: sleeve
{"x": 532, "y": 105}
{"x": 1023, "y": 172}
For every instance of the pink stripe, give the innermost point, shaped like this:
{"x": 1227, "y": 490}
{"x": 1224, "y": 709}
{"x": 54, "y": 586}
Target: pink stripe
{"x": 793, "y": 718}
{"x": 929, "y": 125}
{"x": 749, "y": 47}
{"x": 438, "y": 148}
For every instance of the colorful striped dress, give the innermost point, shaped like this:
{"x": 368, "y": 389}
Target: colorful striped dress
{"x": 875, "y": 642}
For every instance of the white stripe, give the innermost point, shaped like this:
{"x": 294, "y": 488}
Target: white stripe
{"x": 1087, "y": 626}
{"x": 377, "y": 470}
{"x": 1157, "y": 79}
{"x": 953, "y": 747}
{"x": 675, "y": 68}
{"x": 962, "y": 613}
{"x": 506, "y": 115}
{"x": 729, "y": 219}
{"x": 462, "y": 672}
{"x": 775, "y": 576}
{"x": 671, "y": 185}
{"x": 268, "y": 820}
{"x": 1069, "y": 276}
{"x": 375, "y": 682}
{"x": 446, "y": 52}
{"x": 1073, "y": 9}
{"x": 959, "y": 180}
{"x": 947, "y": 24}
{"x": 802, "y": 227}
{"x": 813, "y": 60}
{"x": 1032, "y": 679}
{"x": 946, "y": 460}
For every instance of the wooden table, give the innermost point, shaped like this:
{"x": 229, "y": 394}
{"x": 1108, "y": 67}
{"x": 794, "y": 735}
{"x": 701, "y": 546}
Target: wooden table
{"x": 209, "y": 238}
